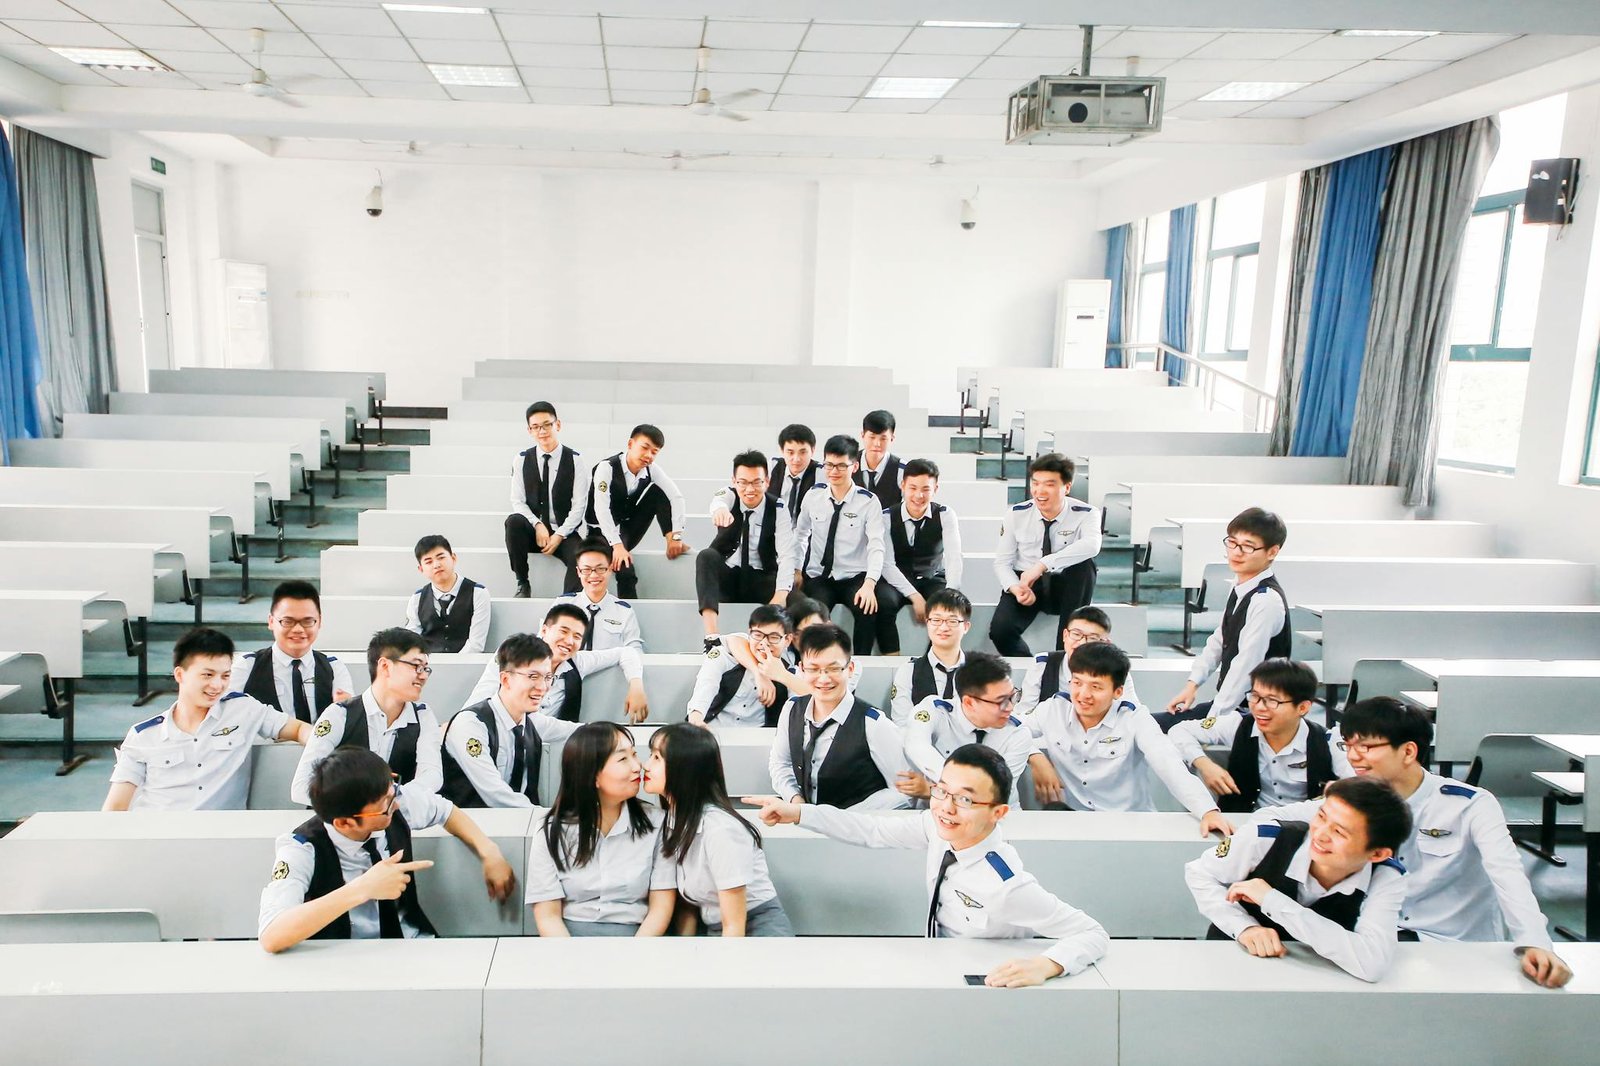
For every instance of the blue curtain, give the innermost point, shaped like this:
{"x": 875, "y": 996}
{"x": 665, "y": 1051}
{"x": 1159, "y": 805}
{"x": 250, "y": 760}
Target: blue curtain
{"x": 20, "y": 367}
{"x": 1116, "y": 256}
{"x": 1341, "y": 303}
{"x": 1180, "y": 283}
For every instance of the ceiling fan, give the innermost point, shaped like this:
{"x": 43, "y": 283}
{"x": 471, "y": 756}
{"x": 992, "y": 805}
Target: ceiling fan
{"x": 261, "y": 84}
{"x": 703, "y": 103}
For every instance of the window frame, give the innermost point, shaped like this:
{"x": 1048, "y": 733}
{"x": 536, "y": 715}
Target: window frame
{"x": 1505, "y": 203}
{"x": 1592, "y": 430}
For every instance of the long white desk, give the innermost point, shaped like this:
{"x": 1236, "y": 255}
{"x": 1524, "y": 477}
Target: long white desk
{"x": 1153, "y": 504}
{"x": 678, "y": 461}
{"x": 1109, "y": 473}
{"x": 561, "y": 368}
{"x": 332, "y": 410}
{"x": 1079, "y": 444}
{"x": 686, "y": 426}
{"x": 230, "y": 494}
{"x": 1409, "y": 580}
{"x": 646, "y": 389}
{"x": 1474, "y": 698}
{"x": 186, "y": 529}
{"x": 301, "y": 436}
{"x": 359, "y": 388}
{"x": 270, "y": 462}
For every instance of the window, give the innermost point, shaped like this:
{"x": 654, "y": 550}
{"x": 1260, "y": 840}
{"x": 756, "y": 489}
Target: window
{"x": 1233, "y": 252}
{"x": 1496, "y": 299}
{"x": 1590, "y": 474}
{"x": 1151, "y": 297}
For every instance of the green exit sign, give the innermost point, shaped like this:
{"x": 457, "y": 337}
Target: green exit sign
{"x": 157, "y": 165}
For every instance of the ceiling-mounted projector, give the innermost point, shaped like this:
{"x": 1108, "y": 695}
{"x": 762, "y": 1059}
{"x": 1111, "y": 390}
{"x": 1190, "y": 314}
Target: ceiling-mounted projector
{"x": 1071, "y": 109}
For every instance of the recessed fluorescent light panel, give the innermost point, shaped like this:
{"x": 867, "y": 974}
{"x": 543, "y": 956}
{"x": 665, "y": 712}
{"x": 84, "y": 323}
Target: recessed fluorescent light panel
{"x": 1388, "y": 33}
{"x": 909, "y": 88}
{"x": 1253, "y": 90}
{"x": 973, "y": 25}
{"x": 435, "y": 9}
{"x": 120, "y": 58}
{"x": 493, "y": 77}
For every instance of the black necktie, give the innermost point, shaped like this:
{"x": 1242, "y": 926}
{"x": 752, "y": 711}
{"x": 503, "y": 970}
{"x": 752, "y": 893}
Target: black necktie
{"x": 945, "y": 863}
{"x": 1233, "y": 601}
{"x": 594, "y": 620}
{"x": 916, "y": 527}
{"x": 545, "y": 492}
{"x": 1044, "y": 541}
{"x": 794, "y": 495}
{"x": 949, "y": 680}
{"x": 744, "y": 538}
{"x": 827, "y": 545}
{"x": 978, "y": 735}
{"x": 388, "y": 909}
{"x": 297, "y": 681}
{"x": 872, "y": 481}
{"x": 519, "y": 755}
{"x": 444, "y": 603}
{"x": 807, "y": 788}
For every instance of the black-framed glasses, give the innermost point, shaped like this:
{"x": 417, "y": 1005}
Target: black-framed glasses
{"x": 422, "y": 669}
{"x": 966, "y": 803}
{"x": 1005, "y": 703}
{"x": 1360, "y": 748}
{"x": 536, "y": 676}
{"x": 593, "y": 571}
{"x": 388, "y": 808}
{"x": 307, "y": 624}
{"x": 1234, "y": 544}
{"x": 770, "y": 639}
{"x": 837, "y": 466}
{"x": 1271, "y": 703}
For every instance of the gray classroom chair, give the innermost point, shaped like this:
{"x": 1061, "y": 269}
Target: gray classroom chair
{"x": 79, "y": 927}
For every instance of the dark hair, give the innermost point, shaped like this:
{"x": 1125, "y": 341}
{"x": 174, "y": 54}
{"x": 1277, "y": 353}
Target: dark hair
{"x": 520, "y": 649}
{"x": 295, "y": 590}
{"x": 646, "y": 430}
{"x": 566, "y": 610}
{"x": 348, "y": 780}
{"x": 843, "y": 444}
{"x": 201, "y": 641}
{"x": 1099, "y": 659}
{"x": 1386, "y": 718}
{"x": 821, "y": 637}
{"x": 1264, "y": 524}
{"x": 1092, "y": 615}
{"x": 979, "y": 672}
{"x": 1295, "y": 680}
{"x": 879, "y": 421}
{"x": 391, "y": 643}
{"x": 951, "y": 599}
{"x": 771, "y": 614}
{"x": 432, "y": 542}
{"x": 991, "y": 762}
{"x": 540, "y": 407}
{"x": 695, "y": 781}
{"x": 591, "y": 544}
{"x": 798, "y": 434}
{"x": 1053, "y": 463}
{"x": 1388, "y": 818}
{"x": 577, "y": 800}
{"x": 750, "y": 458}
{"x": 919, "y": 467}
{"x": 802, "y": 607}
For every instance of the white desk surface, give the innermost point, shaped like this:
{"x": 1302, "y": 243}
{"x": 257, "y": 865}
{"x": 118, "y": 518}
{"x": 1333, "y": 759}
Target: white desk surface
{"x": 52, "y": 594}
{"x": 215, "y": 825}
{"x": 1574, "y": 745}
{"x": 85, "y": 545}
{"x": 1065, "y": 826}
{"x": 1451, "y": 608}
{"x": 1441, "y": 668}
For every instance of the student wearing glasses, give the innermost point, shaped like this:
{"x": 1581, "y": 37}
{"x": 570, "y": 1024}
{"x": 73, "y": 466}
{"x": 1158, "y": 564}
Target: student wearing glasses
{"x": 549, "y": 499}
{"x": 1086, "y": 625}
{"x": 1104, "y": 748}
{"x": 727, "y": 692}
{"x": 612, "y": 623}
{"x": 289, "y": 673}
{"x": 933, "y": 673}
{"x": 1255, "y": 620}
{"x": 563, "y": 629}
{"x": 777, "y": 666}
{"x": 1274, "y": 755}
{"x": 924, "y": 552}
{"x": 751, "y": 559}
{"x": 977, "y": 886}
{"x": 346, "y": 873}
{"x": 833, "y": 747}
{"x": 388, "y": 718}
{"x": 840, "y": 540}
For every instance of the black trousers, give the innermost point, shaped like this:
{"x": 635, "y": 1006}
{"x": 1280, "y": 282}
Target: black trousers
{"x": 716, "y": 583}
{"x": 633, "y": 524}
{"x": 890, "y": 603}
{"x": 833, "y": 591}
{"x": 521, "y": 543}
{"x": 1060, "y": 594}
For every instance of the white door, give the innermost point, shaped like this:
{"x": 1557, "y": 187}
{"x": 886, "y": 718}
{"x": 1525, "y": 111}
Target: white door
{"x": 155, "y": 329}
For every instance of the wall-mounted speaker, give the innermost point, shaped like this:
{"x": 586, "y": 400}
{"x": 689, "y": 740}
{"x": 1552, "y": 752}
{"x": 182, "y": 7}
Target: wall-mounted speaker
{"x": 1552, "y": 184}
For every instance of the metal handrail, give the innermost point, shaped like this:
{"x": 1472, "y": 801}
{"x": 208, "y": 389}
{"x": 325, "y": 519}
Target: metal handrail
{"x": 1202, "y": 375}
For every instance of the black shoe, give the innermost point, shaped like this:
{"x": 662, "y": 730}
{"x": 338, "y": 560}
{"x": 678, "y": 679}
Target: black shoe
{"x": 523, "y": 591}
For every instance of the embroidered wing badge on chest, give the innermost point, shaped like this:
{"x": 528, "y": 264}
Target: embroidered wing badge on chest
{"x": 324, "y": 727}
{"x": 474, "y": 747}
{"x": 1436, "y": 833}
{"x": 225, "y": 730}
{"x": 966, "y": 899}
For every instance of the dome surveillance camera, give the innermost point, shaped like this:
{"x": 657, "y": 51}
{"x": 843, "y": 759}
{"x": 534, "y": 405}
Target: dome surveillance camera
{"x": 969, "y": 215}
{"x": 375, "y": 201}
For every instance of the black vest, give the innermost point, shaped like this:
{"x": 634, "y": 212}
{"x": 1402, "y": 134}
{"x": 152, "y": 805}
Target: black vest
{"x": 1050, "y": 680}
{"x": 924, "y": 682}
{"x": 261, "y": 686}
{"x": 617, "y": 497}
{"x": 1279, "y": 647}
{"x": 557, "y": 496}
{"x": 571, "y": 682}
{"x": 1343, "y": 909}
{"x": 328, "y": 876}
{"x": 447, "y": 632}
{"x": 457, "y": 787}
{"x": 778, "y": 480}
{"x": 848, "y": 775}
{"x": 925, "y": 558}
{"x": 1245, "y": 767}
{"x": 402, "y": 757}
{"x": 726, "y": 542}
{"x": 731, "y": 680}
{"x": 887, "y": 486}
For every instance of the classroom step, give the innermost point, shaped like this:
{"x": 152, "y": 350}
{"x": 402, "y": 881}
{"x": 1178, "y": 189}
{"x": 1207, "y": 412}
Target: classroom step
{"x": 392, "y": 458}
{"x": 395, "y": 435}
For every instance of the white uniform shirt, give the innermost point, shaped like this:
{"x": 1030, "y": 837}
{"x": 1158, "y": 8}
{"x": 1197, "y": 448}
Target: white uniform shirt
{"x": 1365, "y": 951}
{"x": 951, "y": 547}
{"x": 614, "y": 622}
{"x": 295, "y": 860}
{"x": 986, "y": 894}
{"x": 577, "y": 505}
{"x": 477, "y": 635}
{"x": 1464, "y": 877}
{"x": 1283, "y": 773}
{"x": 1075, "y": 537}
{"x": 207, "y": 770}
{"x": 380, "y": 738}
{"x": 745, "y": 707}
{"x": 1107, "y": 768}
{"x": 900, "y": 705}
{"x": 585, "y": 662}
{"x": 722, "y": 857}
{"x": 937, "y": 727}
{"x": 859, "y": 545}
{"x": 1029, "y": 696}
{"x": 467, "y": 742}
{"x": 783, "y": 539}
{"x": 283, "y": 677}
{"x": 884, "y": 745}
{"x": 658, "y": 482}
{"x": 614, "y": 886}
{"x": 785, "y": 485}
{"x": 1264, "y": 617}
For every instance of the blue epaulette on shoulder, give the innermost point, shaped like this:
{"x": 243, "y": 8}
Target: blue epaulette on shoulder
{"x": 148, "y": 722}
{"x": 299, "y": 839}
{"x": 1014, "y": 720}
{"x": 999, "y": 864}
{"x": 248, "y": 655}
{"x": 943, "y": 705}
{"x": 625, "y": 603}
{"x": 1042, "y": 658}
{"x": 1268, "y": 829}
{"x": 818, "y": 485}
{"x": 863, "y": 492}
{"x": 566, "y": 596}
{"x": 331, "y": 658}
{"x": 1081, "y": 507}
{"x": 230, "y": 696}
{"x": 419, "y": 705}
{"x": 1128, "y": 704}
{"x": 1023, "y": 506}
{"x": 872, "y": 712}
{"x": 1396, "y": 863}
{"x": 779, "y": 503}
{"x": 1457, "y": 790}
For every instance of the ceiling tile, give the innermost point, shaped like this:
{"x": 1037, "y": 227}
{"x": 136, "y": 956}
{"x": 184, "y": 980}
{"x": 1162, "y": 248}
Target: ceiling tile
{"x": 233, "y": 15}
{"x": 1297, "y": 69}
{"x": 983, "y": 89}
{"x": 1017, "y": 68}
{"x": 480, "y": 53}
{"x": 435, "y": 27}
{"x": 558, "y": 55}
{"x": 674, "y": 81}
{"x": 135, "y": 12}
{"x": 176, "y": 38}
{"x": 1241, "y": 45}
{"x": 798, "y": 102}
{"x": 1180, "y": 90}
{"x": 1290, "y": 109}
{"x": 1332, "y": 46}
{"x": 284, "y": 67}
{"x": 948, "y": 106}
{"x": 1207, "y": 69}
{"x": 720, "y": 83}
{"x": 951, "y": 40}
{"x": 11, "y": 36}
{"x": 1201, "y": 110}
{"x": 1447, "y": 46}
{"x": 749, "y": 61}
{"x": 930, "y": 66}
{"x": 394, "y": 48}
{"x": 838, "y": 62}
{"x": 824, "y": 85}
{"x": 651, "y": 33}
{"x": 406, "y": 90}
{"x": 384, "y": 70}
{"x": 892, "y": 107}
{"x": 772, "y": 36}
{"x": 150, "y": 79}
{"x": 563, "y": 77}
{"x": 488, "y": 93}
{"x": 203, "y": 62}
{"x": 853, "y": 37}
{"x": 1155, "y": 44}
{"x": 1051, "y": 43}
{"x": 570, "y": 97}
{"x": 325, "y": 18}
{"x": 38, "y": 9}
{"x": 648, "y": 96}
{"x": 627, "y": 58}
{"x": 63, "y": 34}
{"x": 550, "y": 29}
{"x": 1336, "y": 91}
{"x": 1388, "y": 71}
{"x": 277, "y": 44}
{"x": 326, "y": 87}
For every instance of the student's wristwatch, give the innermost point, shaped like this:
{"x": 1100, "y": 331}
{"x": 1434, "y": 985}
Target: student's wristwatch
{"x": 674, "y": 536}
